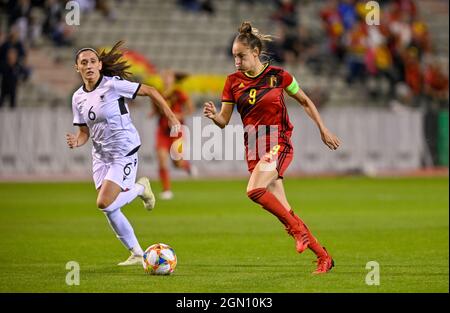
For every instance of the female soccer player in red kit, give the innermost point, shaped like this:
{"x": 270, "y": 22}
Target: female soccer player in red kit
{"x": 181, "y": 105}
{"x": 257, "y": 91}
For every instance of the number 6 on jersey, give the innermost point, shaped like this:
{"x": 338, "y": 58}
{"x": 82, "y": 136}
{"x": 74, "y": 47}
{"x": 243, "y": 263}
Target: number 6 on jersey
{"x": 91, "y": 114}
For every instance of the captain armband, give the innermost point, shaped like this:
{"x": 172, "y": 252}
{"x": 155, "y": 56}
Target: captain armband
{"x": 293, "y": 88}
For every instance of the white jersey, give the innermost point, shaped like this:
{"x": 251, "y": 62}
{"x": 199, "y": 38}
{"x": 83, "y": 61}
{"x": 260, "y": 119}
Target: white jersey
{"x": 105, "y": 111}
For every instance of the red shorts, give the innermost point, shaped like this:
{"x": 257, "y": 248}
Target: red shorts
{"x": 282, "y": 154}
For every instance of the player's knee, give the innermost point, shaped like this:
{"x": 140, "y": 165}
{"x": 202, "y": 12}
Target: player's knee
{"x": 163, "y": 166}
{"x": 256, "y": 193}
{"x": 102, "y": 203}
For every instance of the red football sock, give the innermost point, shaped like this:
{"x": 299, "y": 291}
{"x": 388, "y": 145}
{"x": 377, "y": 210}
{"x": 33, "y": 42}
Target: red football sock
{"x": 185, "y": 165}
{"x": 164, "y": 176}
{"x": 314, "y": 244}
{"x": 274, "y": 206}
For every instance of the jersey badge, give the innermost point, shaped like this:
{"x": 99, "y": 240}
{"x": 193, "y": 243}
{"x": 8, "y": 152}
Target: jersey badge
{"x": 273, "y": 81}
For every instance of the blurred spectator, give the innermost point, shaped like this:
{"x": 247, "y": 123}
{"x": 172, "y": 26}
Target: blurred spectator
{"x": 334, "y": 28}
{"x": 18, "y": 9}
{"x": 197, "y": 6}
{"x": 106, "y": 9}
{"x": 190, "y": 5}
{"x": 406, "y": 6}
{"x": 295, "y": 45}
{"x": 420, "y": 37}
{"x": 290, "y": 44}
{"x": 286, "y": 12}
{"x": 10, "y": 73}
{"x": 2, "y": 37}
{"x": 13, "y": 41}
{"x": 401, "y": 30}
{"x": 34, "y": 28}
{"x": 19, "y": 15}
{"x": 413, "y": 70}
{"x": 347, "y": 12}
{"x": 309, "y": 52}
{"x": 356, "y": 43}
{"x": 436, "y": 83}
{"x": 55, "y": 27}
{"x": 208, "y": 7}
{"x": 53, "y": 14}
{"x": 10, "y": 63}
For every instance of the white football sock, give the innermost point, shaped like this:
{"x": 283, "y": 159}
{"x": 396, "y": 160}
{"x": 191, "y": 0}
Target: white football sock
{"x": 137, "y": 250}
{"x": 119, "y": 223}
{"x": 139, "y": 189}
{"x": 125, "y": 197}
{"x": 123, "y": 229}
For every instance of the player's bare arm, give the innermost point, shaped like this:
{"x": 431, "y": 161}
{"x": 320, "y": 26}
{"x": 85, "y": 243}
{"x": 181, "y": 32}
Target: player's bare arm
{"x": 74, "y": 141}
{"x": 159, "y": 101}
{"x": 331, "y": 140}
{"x": 222, "y": 118}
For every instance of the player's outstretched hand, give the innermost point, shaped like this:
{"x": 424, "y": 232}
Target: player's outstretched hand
{"x": 331, "y": 140}
{"x": 209, "y": 110}
{"x": 71, "y": 140}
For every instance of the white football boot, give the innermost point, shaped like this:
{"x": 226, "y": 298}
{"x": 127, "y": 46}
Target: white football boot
{"x": 193, "y": 171}
{"x": 147, "y": 196}
{"x": 166, "y": 195}
{"x": 132, "y": 260}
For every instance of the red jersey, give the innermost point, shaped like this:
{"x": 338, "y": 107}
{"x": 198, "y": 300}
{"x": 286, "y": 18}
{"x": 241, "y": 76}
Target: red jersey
{"x": 260, "y": 101}
{"x": 176, "y": 100}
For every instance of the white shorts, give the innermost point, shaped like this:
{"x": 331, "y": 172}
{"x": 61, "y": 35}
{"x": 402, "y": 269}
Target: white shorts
{"x": 121, "y": 171}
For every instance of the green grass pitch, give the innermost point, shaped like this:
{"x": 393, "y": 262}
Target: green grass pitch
{"x": 226, "y": 243}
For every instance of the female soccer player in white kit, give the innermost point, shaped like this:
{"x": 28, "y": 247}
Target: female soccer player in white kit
{"x": 101, "y": 112}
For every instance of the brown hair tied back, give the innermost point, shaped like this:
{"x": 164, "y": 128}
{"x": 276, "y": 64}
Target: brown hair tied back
{"x": 245, "y": 28}
{"x": 112, "y": 65}
{"x": 251, "y": 37}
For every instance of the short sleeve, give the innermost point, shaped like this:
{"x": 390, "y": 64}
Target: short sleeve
{"x": 78, "y": 119}
{"x": 227, "y": 93}
{"x": 289, "y": 83}
{"x": 125, "y": 88}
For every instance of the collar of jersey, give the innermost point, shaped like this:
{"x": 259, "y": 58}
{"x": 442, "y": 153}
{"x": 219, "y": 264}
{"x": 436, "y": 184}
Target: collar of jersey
{"x": 262, "y": 71}
{"x": 96, "y": 84}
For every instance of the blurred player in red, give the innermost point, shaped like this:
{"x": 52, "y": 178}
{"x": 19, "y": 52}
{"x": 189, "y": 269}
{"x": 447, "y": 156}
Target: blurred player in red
{"x": 257, "y": 91}
{"x": 182, "y": 106}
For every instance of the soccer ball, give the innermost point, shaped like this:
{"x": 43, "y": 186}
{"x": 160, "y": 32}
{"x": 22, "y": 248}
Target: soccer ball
{"x": 159, "y": 259}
